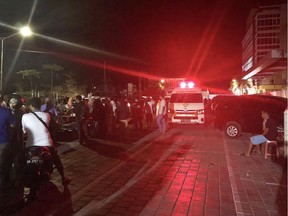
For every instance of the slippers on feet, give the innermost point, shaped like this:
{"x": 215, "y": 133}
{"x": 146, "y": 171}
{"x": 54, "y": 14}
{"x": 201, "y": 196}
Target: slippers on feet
{"x": 245, "y": 155}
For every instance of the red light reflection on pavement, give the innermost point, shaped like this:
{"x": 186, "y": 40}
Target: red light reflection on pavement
{"x": 182, "y": 189}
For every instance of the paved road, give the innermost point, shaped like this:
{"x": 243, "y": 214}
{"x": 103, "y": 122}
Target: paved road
{"x": 190, "y": 170}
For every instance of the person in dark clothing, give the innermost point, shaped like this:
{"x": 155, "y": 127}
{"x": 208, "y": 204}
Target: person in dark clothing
{"x": 122, "y": 116}
{"x": 15, "y": 103}
{"x": 7, "y": 123}
{"x": 148, "y": 113}
{"x": 98, "y": 117}
{"x": 108, "y": 118}
{"x": 137, "y": 113}
{"x": 269, "y": 133}
{"x": 49, "y": 107}
{"x": 80, "y": 113}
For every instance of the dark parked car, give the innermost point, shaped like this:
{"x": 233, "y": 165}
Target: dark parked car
{"x": 242, "y": 114}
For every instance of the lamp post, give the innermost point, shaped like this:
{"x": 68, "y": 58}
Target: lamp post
{"x": 25, "y": 31}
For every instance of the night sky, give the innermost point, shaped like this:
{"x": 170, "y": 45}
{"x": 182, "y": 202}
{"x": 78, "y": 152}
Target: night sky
{"x": 165, "y": 38}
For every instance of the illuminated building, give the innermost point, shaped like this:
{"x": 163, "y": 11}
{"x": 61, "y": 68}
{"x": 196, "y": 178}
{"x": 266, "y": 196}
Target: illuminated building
{"x": 264, "y": 49}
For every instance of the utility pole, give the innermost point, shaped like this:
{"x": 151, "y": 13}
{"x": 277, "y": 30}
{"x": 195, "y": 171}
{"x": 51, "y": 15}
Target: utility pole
{"x": 25, "y": 32}
{"x": 105, "y": 81}
{"x": 139, "y": 82}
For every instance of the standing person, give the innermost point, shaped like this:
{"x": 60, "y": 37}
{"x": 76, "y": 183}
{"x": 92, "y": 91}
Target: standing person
{"x": 269, "y": 133}
{"x": 108, "y": 116}
{"x": 15, "y": 103}
{"x": 7, "y": 122}
{"x": 122, "y": 116}
{"x": 91, "y": 102}
{"x": 49, "y": 107}
{"x": 80, "y": 113}
{"x": 148, "y": 112}
{"x": 137, "y": 113}
{"x": 161, "y": 111}
{"x": 114, "y": 107}
{"x": 69, "y": 106}
{"x": 98, "y": 117}
{"x": 38, "y": 135}
{"x": 90, "y": 120}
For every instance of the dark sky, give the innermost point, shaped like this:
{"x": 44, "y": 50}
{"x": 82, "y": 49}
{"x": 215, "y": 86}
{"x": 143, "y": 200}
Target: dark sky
{"x": 165, "y": 38}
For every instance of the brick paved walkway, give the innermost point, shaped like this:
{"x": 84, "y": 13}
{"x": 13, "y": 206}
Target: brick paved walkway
{"x": 192, "y": 171}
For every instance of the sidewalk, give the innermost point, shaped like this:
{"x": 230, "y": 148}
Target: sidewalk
{"x": 259, "y": 185}
{"x": 188, "y": 171}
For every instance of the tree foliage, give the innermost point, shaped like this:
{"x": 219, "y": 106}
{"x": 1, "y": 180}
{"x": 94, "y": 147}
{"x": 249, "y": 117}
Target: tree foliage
{"x": 30, "y": 75}
{"x": 52, "y": 67}
{"x": 70, "y": 86}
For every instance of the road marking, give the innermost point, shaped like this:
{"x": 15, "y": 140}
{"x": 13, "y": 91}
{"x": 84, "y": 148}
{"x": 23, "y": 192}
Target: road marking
{"x": 232, "y": 178}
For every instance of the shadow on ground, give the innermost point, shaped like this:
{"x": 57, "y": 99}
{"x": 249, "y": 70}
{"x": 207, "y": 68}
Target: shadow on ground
{"x": 50, "y": 201}
{"x": 112, "y": 151}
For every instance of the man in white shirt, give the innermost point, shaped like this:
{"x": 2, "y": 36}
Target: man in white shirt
{"x": 161, "y": 111}
{"x": 38, "y": 134}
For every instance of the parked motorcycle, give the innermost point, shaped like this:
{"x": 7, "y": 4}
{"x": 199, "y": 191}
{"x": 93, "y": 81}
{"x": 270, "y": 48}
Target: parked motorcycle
{"x": 38, "y": 168}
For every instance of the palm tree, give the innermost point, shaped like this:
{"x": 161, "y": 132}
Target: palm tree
{"x": 30, "y": 74}
{"x": 53, "y": 68}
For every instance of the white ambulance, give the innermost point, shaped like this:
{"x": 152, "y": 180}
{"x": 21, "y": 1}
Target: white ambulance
{"x": 186, "y": 105}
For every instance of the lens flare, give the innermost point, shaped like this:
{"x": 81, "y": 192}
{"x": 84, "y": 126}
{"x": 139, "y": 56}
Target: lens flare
{"x": 206, "y": 42}
{"x": 117, "y": 69}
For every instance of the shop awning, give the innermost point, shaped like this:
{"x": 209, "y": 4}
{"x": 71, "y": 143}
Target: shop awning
{"x": 274, "y": 62}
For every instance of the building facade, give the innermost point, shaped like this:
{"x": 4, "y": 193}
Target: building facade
{"x": 264, "y": 51}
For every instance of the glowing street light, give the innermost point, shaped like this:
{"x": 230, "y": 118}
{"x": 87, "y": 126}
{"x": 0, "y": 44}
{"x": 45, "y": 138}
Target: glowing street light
{"x": 25, "y": 32}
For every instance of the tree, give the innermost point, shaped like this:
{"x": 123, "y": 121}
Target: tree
{"x": 53, "y": 68}
{"x": 30, "y": 74}
{"x": 70, "y": 86}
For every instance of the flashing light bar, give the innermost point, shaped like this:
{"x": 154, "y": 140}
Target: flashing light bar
{"x": 187, "y": 85}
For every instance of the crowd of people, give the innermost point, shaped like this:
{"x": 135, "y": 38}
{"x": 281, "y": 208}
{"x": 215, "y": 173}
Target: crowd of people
{"x": 108, "y": 117}
{"x": 22, "y": 127}
{"x": 36, "y": 124}
{"x": 98, "y": 117}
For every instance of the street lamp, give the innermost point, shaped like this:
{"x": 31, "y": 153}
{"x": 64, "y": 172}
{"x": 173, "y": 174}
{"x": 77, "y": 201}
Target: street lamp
{"x": 25, "y": 31}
